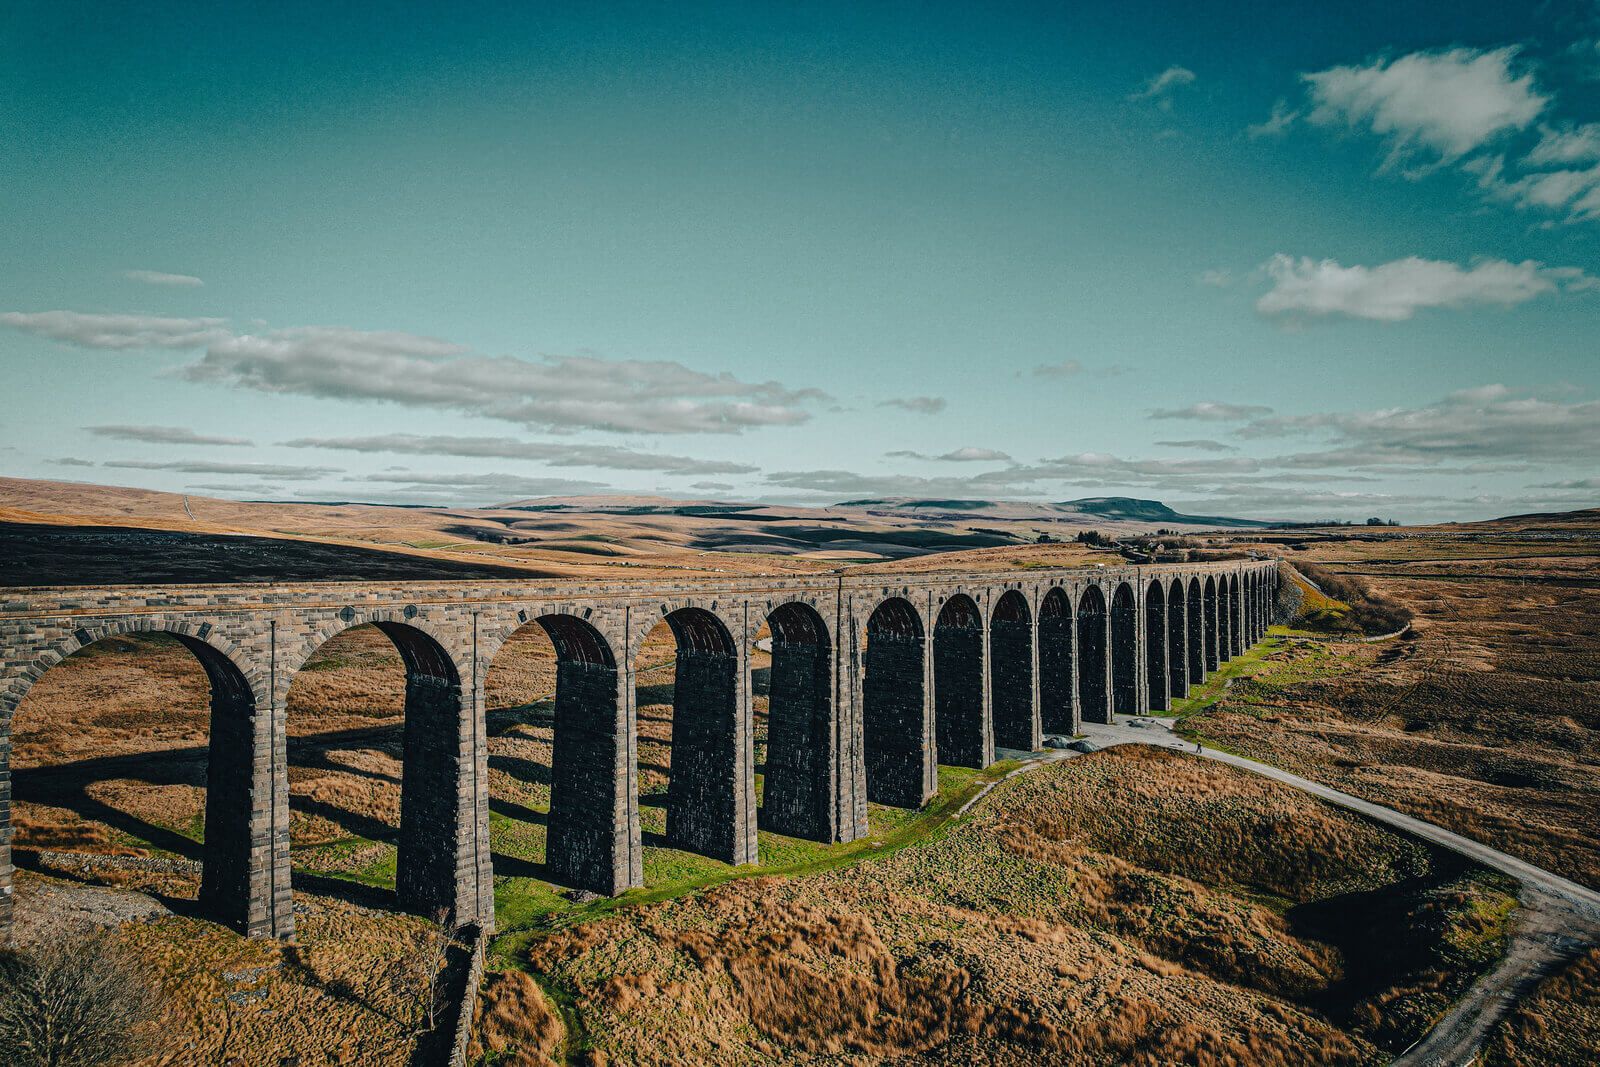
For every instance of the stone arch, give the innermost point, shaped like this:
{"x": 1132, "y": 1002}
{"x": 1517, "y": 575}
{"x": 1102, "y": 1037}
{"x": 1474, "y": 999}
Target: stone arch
{"x": 711, "y": 785}
{"x": 704, "y": 611}
{"x": 1255, "y": 602}
{"x": 1213, "y": 661}
{"x": 442, "y": 845}
{"x": 592, "y": 840}
{"x": 963, "y": 737}
{"x": 896, "y": 740}
{"x": 1196, "y": 613}
{"x": 1011, "y": 673}
{"x": 1177, "y": 632}
{"x": 1124, "y": 652}
{"x": 1224, "y": 621}
{"x": 1055, "y": 663}
{"x": 236, "y": 858}
{"x": 434, "y": 650}
{"x": 1239, "y": 613}
{"x": 186, "y": 632}
{"x": 1155, "y": 647}
{"x": 798, "y": 782}
{"x": 1094, "y": 638}
{"x": 1236, "y": 615}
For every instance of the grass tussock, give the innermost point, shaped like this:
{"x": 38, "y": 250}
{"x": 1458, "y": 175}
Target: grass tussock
{"x": 516, "y": 1025}
{"x": 1053, "y": 926}
{"x": 1559, "y": 1025}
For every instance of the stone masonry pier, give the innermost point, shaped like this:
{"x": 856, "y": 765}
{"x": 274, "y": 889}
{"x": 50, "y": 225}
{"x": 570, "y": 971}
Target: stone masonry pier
{"x": 876, "y": 680}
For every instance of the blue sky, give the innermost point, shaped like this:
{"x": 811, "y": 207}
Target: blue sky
{"x": 1274, "y": 260}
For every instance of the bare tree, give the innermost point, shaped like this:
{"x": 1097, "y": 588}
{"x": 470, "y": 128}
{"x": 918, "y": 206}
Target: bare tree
{"x": 436, "y": 941}
{"x": 80, "y": 1000}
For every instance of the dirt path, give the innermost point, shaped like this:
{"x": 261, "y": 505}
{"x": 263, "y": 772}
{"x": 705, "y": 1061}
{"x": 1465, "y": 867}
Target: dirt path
{"x": 1558, "y": 920}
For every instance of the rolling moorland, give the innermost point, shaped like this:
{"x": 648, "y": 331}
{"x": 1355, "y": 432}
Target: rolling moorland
{"x": 71, "y": 533}
{"x": 1125, "y": 906}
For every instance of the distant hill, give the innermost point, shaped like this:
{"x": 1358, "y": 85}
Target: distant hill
{"x": 1116, "y": 508}
{"x": 575, "y": 536}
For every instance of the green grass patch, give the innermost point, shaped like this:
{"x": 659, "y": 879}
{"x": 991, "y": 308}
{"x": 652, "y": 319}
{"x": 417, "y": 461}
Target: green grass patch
{"x": 527, "y": 908}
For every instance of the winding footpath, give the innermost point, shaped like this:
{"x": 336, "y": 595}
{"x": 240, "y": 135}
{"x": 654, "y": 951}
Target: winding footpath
{"x": 1558, "y": 919}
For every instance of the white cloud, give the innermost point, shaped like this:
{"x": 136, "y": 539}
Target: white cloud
{"x": 552, "y": 392}
{"x": 960, "y": 455}
{"x": 156, "y": 277}
{"x": 1391, "y": 292}
{"x": 164, "y": 435}
{"x": 1218, "y": 278}
{"x": 1159, "y": 87}
{"x": 555, "y": 392}
{"x": 117, "y": 332}
{"x": 1576, "y": 192}
{"x": 917, "y": 405}
{"x": 461, "y": 487}
{"x": 1438, "y": 104}
{"x": 1212, "y": 411}
{"x": 1200, "y": 445}
{"x": 1491, "y": 424}
{"x": 270, "y": 471}
{"x": 554, "y": 454}
{"x": 1568, "y": 144}
{"x": 1275, "y": 124}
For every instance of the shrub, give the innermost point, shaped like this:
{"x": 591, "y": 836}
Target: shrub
{"x": 1370, "y": 612}
{"x": 78, "y": 1000}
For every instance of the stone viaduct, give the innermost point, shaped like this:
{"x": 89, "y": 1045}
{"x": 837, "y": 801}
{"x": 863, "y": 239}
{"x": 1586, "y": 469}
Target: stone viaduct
{"x": 876, "y": 679}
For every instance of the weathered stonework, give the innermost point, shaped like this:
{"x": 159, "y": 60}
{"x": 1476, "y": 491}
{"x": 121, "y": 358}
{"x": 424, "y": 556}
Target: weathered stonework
{"x": 868, "y": 693}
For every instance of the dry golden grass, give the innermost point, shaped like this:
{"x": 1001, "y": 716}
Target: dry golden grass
{"x": 516, "y": 1025}
{"x": 1485, "y": 719}
{"x": 1049, "y": 928}
{"x": 1559, "y": 1025}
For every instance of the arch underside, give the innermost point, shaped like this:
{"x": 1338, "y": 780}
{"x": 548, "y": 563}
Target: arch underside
{"x": 1094, "y": 681}
{"x": 704, "y": 784}
{"x": 800, "y": 778}
{"x": 1155, "y": 643}
{"x": 1056, "y": 684}
{"x": 897, "y": 751}
{"x": 592, "y": 784}
{"x": 1011, "y": 674}
{"x": 1124, "y": 653}
{"x": 1210, "y": 626}
{"x": 1177, "y": 651}
{"x": 963, "y": 737}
